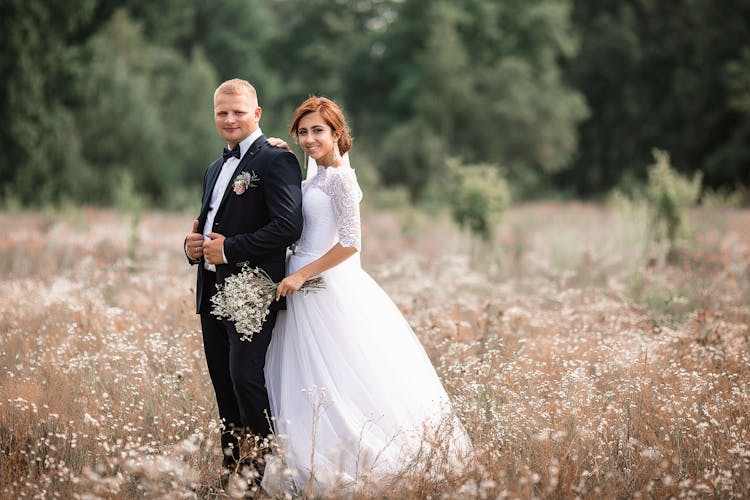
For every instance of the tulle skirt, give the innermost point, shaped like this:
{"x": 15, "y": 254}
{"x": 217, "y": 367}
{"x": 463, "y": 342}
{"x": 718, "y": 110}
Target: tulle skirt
{"x": 354, "y": 396}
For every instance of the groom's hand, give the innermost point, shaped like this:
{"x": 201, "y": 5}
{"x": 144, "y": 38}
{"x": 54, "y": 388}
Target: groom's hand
{"x": 194, "y": 243}
{"x": 213, "y": 249}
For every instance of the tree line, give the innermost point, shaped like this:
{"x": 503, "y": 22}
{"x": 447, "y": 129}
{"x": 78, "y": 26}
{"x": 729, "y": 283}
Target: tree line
{"x": 559, "y": 96}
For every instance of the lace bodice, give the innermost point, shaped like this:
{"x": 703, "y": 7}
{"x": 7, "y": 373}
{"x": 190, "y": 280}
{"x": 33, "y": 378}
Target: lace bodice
{"x": 330, "y": 204}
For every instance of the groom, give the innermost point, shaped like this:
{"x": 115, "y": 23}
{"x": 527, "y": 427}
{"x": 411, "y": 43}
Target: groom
{"x": 250, "y": 212}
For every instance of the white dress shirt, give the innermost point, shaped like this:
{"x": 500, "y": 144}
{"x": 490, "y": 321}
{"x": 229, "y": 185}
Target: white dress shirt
{"x": 221, "y": 185}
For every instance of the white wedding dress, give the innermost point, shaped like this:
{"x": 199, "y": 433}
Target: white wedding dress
{"x": 352, "y": 391}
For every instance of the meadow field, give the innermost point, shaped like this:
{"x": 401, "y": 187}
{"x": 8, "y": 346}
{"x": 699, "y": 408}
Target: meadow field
{"x": 581, "y": 361}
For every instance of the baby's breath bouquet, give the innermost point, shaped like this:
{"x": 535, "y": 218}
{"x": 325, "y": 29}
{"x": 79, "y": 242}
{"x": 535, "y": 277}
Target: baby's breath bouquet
{"x": 244, "y": 298}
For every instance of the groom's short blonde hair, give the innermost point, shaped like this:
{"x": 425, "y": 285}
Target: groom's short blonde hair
{"x": 237, "y": 86}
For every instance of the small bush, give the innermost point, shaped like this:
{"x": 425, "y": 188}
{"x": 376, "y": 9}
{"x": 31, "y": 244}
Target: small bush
{"x": 130, "y": 203}
{"x": 723, "y": 198}
{"x": 478, "y": 196}
{"x": 669, "y": 195}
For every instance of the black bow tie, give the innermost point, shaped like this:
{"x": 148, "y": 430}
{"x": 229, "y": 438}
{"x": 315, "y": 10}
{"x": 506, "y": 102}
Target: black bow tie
{"x": 228, "y": 153}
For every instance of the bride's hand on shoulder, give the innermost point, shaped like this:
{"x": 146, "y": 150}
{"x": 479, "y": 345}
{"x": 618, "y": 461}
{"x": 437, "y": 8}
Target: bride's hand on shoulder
{"x": 289, "y": 285}
{"x": 278, "y": 143}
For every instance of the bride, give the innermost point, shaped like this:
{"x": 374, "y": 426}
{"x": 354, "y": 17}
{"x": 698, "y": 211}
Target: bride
{"x": 354, "y": 396}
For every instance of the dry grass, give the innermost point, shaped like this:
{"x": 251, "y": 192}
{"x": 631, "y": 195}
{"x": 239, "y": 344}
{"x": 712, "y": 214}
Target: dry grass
{"x": 580, "y": 362}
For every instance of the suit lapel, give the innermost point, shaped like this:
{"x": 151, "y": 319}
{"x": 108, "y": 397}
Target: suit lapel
{"x": 254, "y": 148}
{"x": 213, "y": 176}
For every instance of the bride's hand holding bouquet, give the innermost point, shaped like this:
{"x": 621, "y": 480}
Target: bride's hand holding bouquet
{"x": 244, "y": 298}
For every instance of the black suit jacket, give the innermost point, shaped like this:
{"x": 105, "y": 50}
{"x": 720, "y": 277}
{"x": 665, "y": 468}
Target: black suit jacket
{"x": 260, "y": 223}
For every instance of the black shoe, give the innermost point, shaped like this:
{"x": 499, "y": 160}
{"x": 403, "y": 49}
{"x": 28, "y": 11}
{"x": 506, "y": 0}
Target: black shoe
{"x": 224, "y": 478}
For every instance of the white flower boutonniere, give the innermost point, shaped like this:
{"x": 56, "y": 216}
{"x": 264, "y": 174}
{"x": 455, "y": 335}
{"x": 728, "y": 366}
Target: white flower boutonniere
{"x": 245, "y": 180}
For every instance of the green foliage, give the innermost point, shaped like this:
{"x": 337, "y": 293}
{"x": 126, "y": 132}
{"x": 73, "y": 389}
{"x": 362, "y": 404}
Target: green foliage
{"x": 738, "y": 80}
{"x": 669, "y": 196}
{"x": 669, "y": 73}
{"x": 80, "y": 115}
{"x": 130, "y": 204}
{"x": 40, "y": 146}
{"x": 723, "y": 198}
{"x": 478, "y": 197}
{"x": 565, "y": 94}
{"x": 411, "y": 155}
{"x": 164, "y": 133}
{"x": 482, "y": 80}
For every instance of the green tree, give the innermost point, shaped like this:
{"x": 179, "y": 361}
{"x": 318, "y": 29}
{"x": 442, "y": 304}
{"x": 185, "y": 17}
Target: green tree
{"x": 86, "y": 102}
{"x": 484, "y": 77}
{"x": 660, "y": 74}
{"x": 730, "y": 166}
{"x": 41, "y": 147}
{"x": 322, "y": 49}
{"x": 158, "y": 108}
{"x": 414, "y": 151}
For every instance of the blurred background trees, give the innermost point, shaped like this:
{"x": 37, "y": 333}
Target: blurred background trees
{"x": 562, "y": 97}
{"x": 670, "y": 75}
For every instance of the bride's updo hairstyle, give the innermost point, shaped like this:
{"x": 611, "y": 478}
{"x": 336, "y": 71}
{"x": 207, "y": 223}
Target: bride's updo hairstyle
{"x": 332, "y": 115}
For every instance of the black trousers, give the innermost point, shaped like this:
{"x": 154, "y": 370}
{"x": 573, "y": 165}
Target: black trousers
{"x": 236, "y": 370}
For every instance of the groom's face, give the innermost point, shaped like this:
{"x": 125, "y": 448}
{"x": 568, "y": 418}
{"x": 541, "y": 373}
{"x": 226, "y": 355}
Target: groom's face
{"x": 236, "y": 116}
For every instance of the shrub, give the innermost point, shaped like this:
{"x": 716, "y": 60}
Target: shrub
{"x": 478, "y": 196}
{"x": 130, "y": 203}
{"x": 723, "y": 198}
{"x": 669, "y": 195}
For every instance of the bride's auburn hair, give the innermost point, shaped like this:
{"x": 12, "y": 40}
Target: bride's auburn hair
{"x": 331, "y": 113}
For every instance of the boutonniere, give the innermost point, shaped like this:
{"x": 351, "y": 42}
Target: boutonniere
{"x": 245, "y": 180}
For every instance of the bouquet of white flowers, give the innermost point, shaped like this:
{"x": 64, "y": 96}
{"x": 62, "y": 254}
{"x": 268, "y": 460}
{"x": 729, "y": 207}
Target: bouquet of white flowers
{"x": 244, "y": 298}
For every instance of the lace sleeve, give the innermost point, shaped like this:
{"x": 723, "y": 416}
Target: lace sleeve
{"x": 345, "y": 196}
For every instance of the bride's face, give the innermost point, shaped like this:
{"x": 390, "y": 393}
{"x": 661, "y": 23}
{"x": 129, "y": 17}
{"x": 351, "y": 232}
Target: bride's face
{"x": 316, "y": 137}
